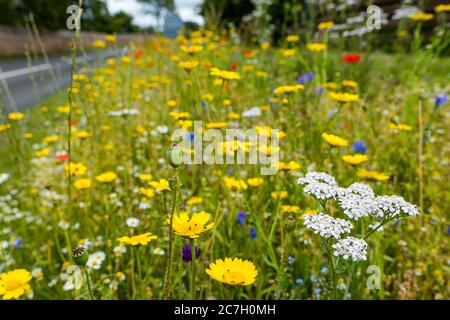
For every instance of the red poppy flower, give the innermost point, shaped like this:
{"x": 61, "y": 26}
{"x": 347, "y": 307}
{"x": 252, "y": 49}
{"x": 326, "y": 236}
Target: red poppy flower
{"x": 62, "y": 156}
{"x": 352, "y": 58}
{"x": 233, "y": 66}
{"x": 248, "y": 53}
{"x": 138, "y": 54}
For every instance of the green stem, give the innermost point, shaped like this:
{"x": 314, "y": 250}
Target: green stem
{"x": 192, "y": 269}
{"x": 138, "y": 260}
{"x": 86, "y": 274}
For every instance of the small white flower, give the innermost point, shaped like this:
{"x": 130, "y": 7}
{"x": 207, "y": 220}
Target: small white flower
{"x": 252, "y": 112}
{"x": 159, "y": 251}
{"x": 351, "y": 247}
{"x": 132, "y": 222}
{"x": 3, "y": 177}
{"x": 119, "y": 250}
{"x": 327, "y": 226}
{"x": 95, "y": 260}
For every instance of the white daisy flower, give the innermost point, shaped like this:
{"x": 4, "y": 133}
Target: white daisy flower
{"x": 132, "y": 222}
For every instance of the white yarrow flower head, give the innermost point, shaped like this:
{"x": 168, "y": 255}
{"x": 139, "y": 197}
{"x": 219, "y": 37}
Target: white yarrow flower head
{"x": 319, "y": 185}
{"x": 327, "y": 226}
{"x": 317, "y": 177}
{"x": 132, "y": 222}
{"x": 351, "y": 248}
{"x": 395, "y": 206}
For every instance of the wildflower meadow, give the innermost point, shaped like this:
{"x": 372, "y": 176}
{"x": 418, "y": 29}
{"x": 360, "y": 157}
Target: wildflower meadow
{"x": 217, "y": 166}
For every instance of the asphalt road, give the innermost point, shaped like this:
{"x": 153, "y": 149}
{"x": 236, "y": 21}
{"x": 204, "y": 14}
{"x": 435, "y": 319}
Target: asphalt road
{"x": 17, "y": 75}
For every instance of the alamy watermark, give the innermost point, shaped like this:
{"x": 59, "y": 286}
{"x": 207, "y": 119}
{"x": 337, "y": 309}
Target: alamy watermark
{"x": 373, "y": 17}
{"x": 374, "y": 280}
{"x": 74, "y": 20}
{"x": 236, "y": 146}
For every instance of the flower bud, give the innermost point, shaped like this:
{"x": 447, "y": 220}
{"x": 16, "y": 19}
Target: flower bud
{"x": 80, "y": 255}
{"x": 174, "y": 156}
{"x": 289, "y": 223}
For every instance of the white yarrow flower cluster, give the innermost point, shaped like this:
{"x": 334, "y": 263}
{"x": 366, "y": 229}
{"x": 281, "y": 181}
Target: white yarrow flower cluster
{"x": 327, "y": 226}
{"x": 319, "y": 185}
{"x": 123, "y": 112}
{"x": 394, "y": 206}
{"x": 351, "y": 247}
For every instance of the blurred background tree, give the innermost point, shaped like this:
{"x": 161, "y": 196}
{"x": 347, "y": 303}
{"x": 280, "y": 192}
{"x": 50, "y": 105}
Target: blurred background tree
{"x": 157, "y": 8}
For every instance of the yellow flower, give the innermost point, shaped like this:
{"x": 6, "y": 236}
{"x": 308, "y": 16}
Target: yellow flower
{"x": 139, "y": 240}
{"x": 50, "y": 139}
{"x": 191, "y": 227}
{"x": 194, "y": 200}
{"x": 233, "y": 272}
{"x": 171, "y": 103}
{"x": 262, "y": 74}
{"x": 188, "y": 65}
{"x": 217, "y": 125}
{"x": 106, "y": 177}
{"x": 27, "y": 135}
{"x": 334, "y": 141}
{"x": 233, "y": 183}
{"x": 14, "y": 284}
{"x": 82, "y": 184}
{"x": 291, "y": 165}
{"x": 145, "y": 177}
{"x": 350, "y": 84}
{"x": 330, "y": 85}
{"x": 191, "y": 49}
{"x": 76, "y": 169}
{"x": 288, "y": 52}
{"x": 326, "y": 25}
{"x": 399, "y": 127}
{"x": 344, "y": 97}
{"x": 355, "y": 159}
{"x": 4, "y": 127}
{"x": 16, "y": 116}
{"x": 292, "y": 38}
{"x": 288, "y": 89}
{"x": 279, "y": 194}
{"x": 234, "y": 115}
{"x": 290, "y": 209}
{"x": 265, "y": 46}
{"x": 110, "y": 38}
{"x": 372, "y": 175}
{"x": 255, "y": 182}
{"x": 99, "y": 44}
{"x": 179, "y": 115}
{"x": 226, "y": 102}
{"x": 316, "y": 47}
{"x": 147, "y": 192}
{"x": 42, "y": 153}
{"x": 225, "y": 75}
{"x": 442, "y": 8}
{"x": 421, "y": 16}
{"x": 208, "y": 97}
{"x": 83, "y": 134}
{"x": 162, "y": 185}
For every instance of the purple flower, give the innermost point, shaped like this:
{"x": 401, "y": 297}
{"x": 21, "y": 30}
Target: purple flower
{"x": 359, "y": 146}
{"x": 187, "y": 254}
{"x": 319, "y": 90}
{"x": 241, "y": 217}
{"x": 18, "y": 243}
{"x": 252, "y": 233}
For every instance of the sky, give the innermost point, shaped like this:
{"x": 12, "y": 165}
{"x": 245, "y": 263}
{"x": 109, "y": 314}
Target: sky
{"x": 186, "y": 9}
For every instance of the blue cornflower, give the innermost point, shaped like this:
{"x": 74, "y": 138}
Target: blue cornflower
{"x": 252, "y": 233}
{"x": 299, "y": 281}
{"x": 359, "y": 146}
{"x": 324, "y": 270}
{"x": 290, "y": 260}
{"x": 241, "y": 217}
{"x": 187, "y": 254}
{"x": 18, "y": 243}
{"x": 441, "y": 99}
{"x": 305, "y": 78}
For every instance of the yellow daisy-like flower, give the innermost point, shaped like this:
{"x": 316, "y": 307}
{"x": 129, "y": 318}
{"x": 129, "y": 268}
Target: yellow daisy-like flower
{"x": 288, "y": 89}
{"x": 355, "y": 159}
{"x": 279, "y": 194}
{"x": 81, "y": 184}
{"x": 139, "y": 240}
{"x": 292, "y": 38}
{"x": 442, "y": 8}
{"x": 99, "y": 44}
{"x": 106, "y": 177}
{"x": 234, "y": 115}
{"x": 148, "y": 192}
{"x": 75, "y": 169}
{"x": 288, "y": 52}
{"x": 344, "y": 97}
{"x": 291, "y": 165}
{"x": 421, "y": 16}
{"x": 372, "y": 175}
{"x": 4, "y": 127}
{"x": 188, "y": 65}
{"x": 16, "y": 116}
{"x": 145, "y": 177}
{"x": 162, "y": 185}
{"x": 334, "y": 141}
{"x": 233, "y": 272}
{"x": 399, "y": 127}
{"x": 194, "y": 200}
{"x": 217, "y": 125}
{"x": 191, "y": 227}
{"x": 264, "y": 46}
{"x": 191, "y": 49}
{"x": 350, "y": 84}
{"x": 233, "y": 183}
{"x": 255, "y": 182}
{"x": 316, "y": 47}
{"x": 290, "y": 209}
{"x": 179, "y": 115}
{"x": 225, "y": 75}
{"x": 42, "y": 153}
{"x": 325, "y": 25}
{"x": 110, "y": 38}
{"x": 14, "y": 284}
